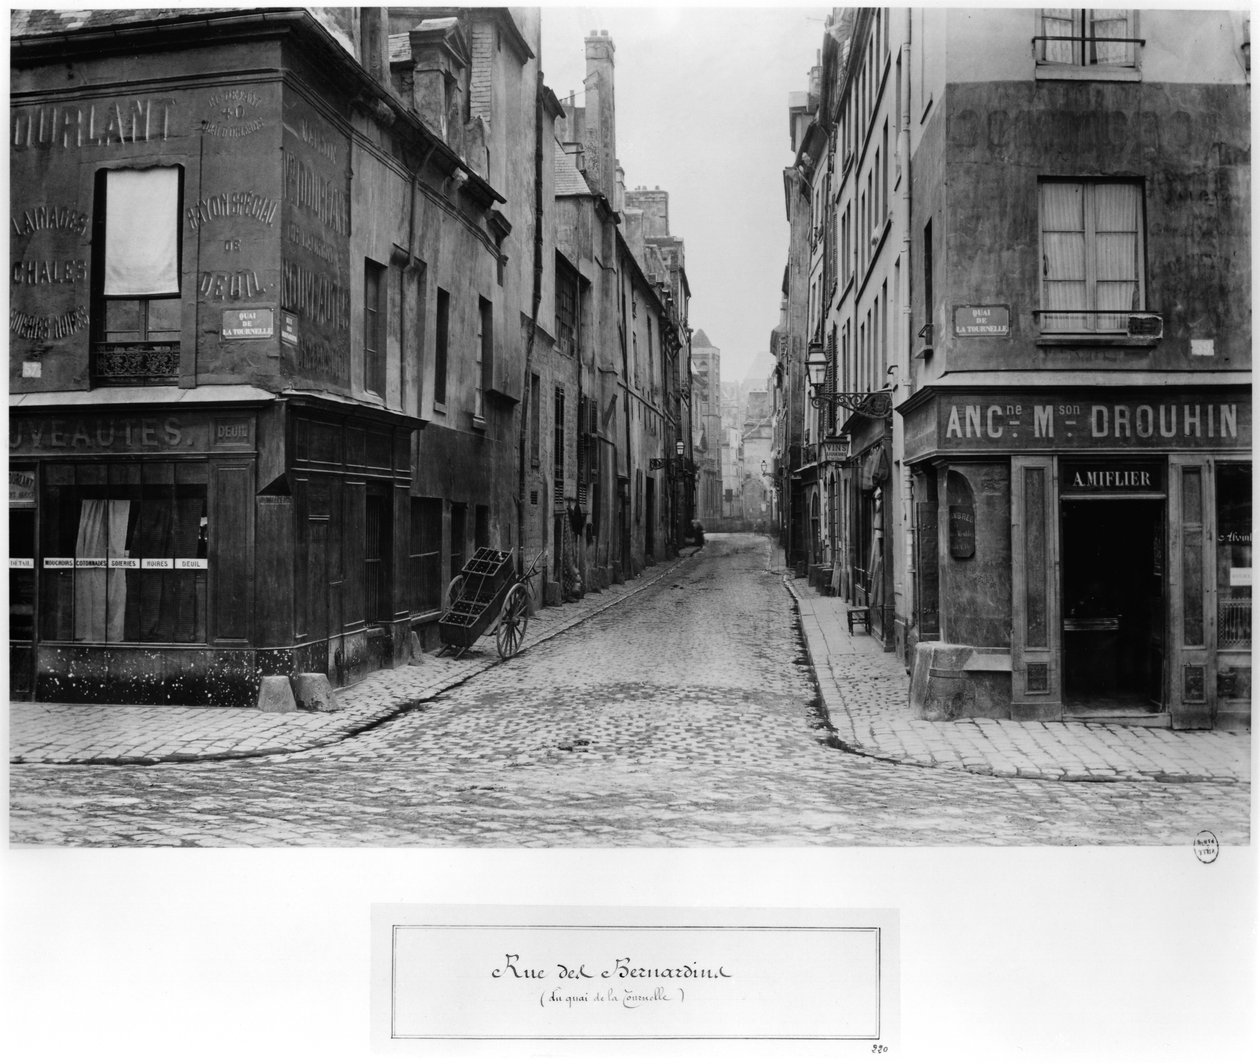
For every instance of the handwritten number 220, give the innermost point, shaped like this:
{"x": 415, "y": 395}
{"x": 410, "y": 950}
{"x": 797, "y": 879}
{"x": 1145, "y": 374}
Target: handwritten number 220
{"x": 879, "y": 1049}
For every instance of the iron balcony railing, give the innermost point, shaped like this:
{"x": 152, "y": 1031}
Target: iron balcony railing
{"x": 1085, "y": 49}
{"x": 149, "y": 362}
{"x": 1138, "y": 324}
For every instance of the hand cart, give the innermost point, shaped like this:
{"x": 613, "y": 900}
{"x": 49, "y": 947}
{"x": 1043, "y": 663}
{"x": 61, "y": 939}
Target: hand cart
{"x": 487, "y": 592}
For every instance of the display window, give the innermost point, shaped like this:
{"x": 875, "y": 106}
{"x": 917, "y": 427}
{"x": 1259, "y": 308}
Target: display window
{"x": 1233, "y": 556}
{"x": 124, "y": 552}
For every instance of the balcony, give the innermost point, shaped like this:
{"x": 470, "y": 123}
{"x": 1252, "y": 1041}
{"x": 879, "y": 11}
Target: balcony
{"x": 123, "y": 364}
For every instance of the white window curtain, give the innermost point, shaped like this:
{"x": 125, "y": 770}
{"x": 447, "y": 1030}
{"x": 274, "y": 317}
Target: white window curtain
{"x": 1116, "y": 252}
{"x": 1059, "y": 22}
{"x": 100, "y": 594}
{"x": 1111, "y": 23}
{"x": 1091, "y": 254}
{"x": 1063, "y": 255}
{"x": 142, "y": 232}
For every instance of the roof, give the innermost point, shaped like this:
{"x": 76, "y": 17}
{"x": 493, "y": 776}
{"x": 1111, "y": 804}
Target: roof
{"x": 700, "y": 340}
{"x": 65, "y": 20}
{"x": 569, "y": 180}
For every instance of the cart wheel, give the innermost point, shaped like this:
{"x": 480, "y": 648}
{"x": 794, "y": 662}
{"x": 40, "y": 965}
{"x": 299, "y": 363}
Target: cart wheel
{"x": 454, "y": 591}
{"x": 511, "y": 629}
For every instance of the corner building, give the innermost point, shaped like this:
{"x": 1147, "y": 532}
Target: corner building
{"x": 1078, "y": 428}
{"x": 264, "y": 338}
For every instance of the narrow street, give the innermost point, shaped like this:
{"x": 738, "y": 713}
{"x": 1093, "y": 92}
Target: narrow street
{"x": 684, "y": 717}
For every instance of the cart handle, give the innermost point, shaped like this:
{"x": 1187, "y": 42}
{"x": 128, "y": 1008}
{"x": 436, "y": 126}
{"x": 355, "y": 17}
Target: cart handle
{"x": 533, "y": 569}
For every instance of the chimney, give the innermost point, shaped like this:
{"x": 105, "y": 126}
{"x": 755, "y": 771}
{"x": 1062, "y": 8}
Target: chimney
{"x": 600, "y": 135}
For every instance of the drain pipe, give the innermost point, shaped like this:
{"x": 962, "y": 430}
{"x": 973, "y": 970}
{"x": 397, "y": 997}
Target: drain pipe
{"x": 905, "y": 487}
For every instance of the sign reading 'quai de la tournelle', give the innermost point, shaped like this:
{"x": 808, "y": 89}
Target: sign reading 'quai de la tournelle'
{"x": 1032, "y": 422}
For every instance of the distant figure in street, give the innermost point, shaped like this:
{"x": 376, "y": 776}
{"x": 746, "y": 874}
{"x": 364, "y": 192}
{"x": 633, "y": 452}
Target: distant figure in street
{"x": 697, "y": 533}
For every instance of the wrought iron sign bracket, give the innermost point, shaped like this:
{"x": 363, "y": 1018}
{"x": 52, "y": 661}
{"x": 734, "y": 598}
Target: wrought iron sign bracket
{"x": 876, "y": 405}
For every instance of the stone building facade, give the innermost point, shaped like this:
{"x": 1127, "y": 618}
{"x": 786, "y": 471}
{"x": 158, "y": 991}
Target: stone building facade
{"x": 279, "y": 326}
{"x": 1058, "y": 206}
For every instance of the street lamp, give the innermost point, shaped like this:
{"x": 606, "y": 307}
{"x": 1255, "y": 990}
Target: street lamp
{"x": 875, "y": 405}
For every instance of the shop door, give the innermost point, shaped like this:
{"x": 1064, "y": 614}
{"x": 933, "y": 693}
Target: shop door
{"x": 1113, "y": 605}
{"x": 21, "y": 593}
{"x": 376, "y": 556}
{"x": 1191, "y": 588}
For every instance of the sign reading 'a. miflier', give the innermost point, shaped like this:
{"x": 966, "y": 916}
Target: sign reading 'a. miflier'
{"x": 1019, "y": 423}
{"x": 830, "y": 979}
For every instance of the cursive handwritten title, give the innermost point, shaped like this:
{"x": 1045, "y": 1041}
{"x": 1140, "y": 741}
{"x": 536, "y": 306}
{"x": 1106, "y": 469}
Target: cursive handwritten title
{"x": 622, "y": 968}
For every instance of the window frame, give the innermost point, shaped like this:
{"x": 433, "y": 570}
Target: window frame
{"x": 1082, "y": 40}
{"x": 1091, "y": 279}
{"x": 126, "y": 358}
{"x": 375, "y": 311}
{"x": 441, "y": 347}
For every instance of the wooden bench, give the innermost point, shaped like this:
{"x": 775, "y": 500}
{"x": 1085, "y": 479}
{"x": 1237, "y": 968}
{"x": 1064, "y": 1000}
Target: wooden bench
{"x": 861, "y": 614}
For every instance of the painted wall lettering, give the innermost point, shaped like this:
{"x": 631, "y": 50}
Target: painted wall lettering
{"x": 47, "y": 216}
{"x": 65, "y": 271}
{"x": 66, "y": 126}
{"x": 319, "y": 247}
{"x": 312, "y": 136}
{"x": 214, "y": 129}
{"x": 55, "y": 327}
{"x": 1011, "y": 425}
{"x": 231, "y": 109}
{"x": 236, "y": 284}
{"x": 96, "y": 433}
{"x": 316, "y": 195}
{"x": 244, "y": 203}
{"x": 315, "y": 296}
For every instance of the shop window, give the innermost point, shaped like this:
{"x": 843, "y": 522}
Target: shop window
{"x": 136, "y": 294}
{"x": 21, "y": 555}
{"x": 1091, "y": 256}
{"x": 374, "y": 310}
{"x": 426, "y": 554}
{"x": 1084, "y": 37}
{"x": 124, "y": 556}
{"x": 1233, "y": 556}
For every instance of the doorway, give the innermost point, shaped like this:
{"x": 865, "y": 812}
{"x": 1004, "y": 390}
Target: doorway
{"x": 1113, "y": 553}
{"x": 377, "y": 552}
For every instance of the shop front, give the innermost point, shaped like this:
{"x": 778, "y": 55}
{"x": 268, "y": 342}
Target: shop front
{"x": 1084, "y": 555}
{"x": 157, "y": 553}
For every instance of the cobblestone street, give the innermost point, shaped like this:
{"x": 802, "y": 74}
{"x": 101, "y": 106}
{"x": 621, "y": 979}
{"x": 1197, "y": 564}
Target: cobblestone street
{"x": 685, "y": 716}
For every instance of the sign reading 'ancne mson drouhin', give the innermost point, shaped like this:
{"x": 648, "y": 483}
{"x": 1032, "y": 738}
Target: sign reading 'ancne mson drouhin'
{"x": 1000, "y": 422}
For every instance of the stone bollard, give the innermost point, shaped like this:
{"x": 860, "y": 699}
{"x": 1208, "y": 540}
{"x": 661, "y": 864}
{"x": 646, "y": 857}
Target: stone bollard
{"x": 314, "y": 693}
{"x": 275, "y": 695}
{"x": 938, "y": 682}
{"x": 415, "y": 648}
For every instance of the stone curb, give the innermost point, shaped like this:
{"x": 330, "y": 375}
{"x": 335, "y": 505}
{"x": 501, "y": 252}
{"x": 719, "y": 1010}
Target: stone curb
{"x": 338, "y": 728}
{"x": 846, "y": 729}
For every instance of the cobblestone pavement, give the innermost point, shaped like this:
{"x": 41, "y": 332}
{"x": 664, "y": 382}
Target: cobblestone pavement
{"x": 688, "y": 715}
{"x": 865, "y": 695}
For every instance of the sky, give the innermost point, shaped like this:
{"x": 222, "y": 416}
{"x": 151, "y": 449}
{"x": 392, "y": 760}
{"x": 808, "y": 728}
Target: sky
{"x": 702, "y": 112}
